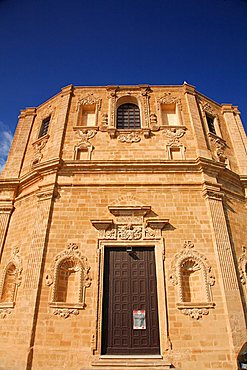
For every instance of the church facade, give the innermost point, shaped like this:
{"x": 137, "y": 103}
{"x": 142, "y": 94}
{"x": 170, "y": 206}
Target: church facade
{"x": 123, "y": 232}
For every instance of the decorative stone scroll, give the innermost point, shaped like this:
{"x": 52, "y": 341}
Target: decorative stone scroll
{"x": 242, "y": 264}
{"x": 70, "y": 260}
{"x": 190, "y": 260}
{"x": 10, "y": 281}
{"x": 38, "y": 146}
{"x": 84, "y": 144}
{"x": 218, "y": 148}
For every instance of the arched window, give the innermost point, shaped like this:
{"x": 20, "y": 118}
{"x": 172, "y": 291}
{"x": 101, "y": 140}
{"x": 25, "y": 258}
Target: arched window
{"x": 9, "y": 284}
{"x": 128, "y": 116}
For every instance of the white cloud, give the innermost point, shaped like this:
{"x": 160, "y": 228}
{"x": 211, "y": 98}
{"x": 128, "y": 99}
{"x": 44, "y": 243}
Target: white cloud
{"x": 6, "y": 138}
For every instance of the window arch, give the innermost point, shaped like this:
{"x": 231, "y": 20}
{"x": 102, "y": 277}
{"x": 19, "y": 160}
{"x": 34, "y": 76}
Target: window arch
{"x": 128, "y": 116}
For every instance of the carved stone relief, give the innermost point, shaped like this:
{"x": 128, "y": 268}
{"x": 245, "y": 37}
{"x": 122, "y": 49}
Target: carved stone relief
{"x": 154, "y": 122}
{"x": 84, "y": 144}
{"x": 65, "y": 312}
{"x": 38, "y": 146}
{"x": 4, "y": 312}
{"x": 195, "y": 313}
{"x": 130, "y": 224}
{"x": 207, "y": 108}
{"x": 78, "y": 263}
{"x": 145, "y": 100}
{"x": 89, "y": 100}
{"x": 129, "y": 137}
{"x": 218, "y": 147}
{"x": 174, "y": 135}
{"x": 198, "y": 262}
{"x": 169, "y": 98}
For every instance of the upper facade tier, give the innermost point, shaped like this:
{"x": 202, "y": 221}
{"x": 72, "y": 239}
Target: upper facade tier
{"x": 127, "y": 123}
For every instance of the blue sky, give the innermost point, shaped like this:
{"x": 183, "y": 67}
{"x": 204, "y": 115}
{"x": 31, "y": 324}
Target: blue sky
{"x": 46, "y": 45}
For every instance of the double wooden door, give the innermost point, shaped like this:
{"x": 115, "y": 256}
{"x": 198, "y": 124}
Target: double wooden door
{"x": 130, "y": 310}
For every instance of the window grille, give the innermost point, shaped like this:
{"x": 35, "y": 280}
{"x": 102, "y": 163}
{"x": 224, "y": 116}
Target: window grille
{"x": 44, "y": 127}
{"x": 128, "y": 116}
{"x": 210, "y": 122}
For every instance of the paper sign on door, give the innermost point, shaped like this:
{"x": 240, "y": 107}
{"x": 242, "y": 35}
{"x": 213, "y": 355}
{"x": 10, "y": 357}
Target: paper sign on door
{"x": 139, "y": 319}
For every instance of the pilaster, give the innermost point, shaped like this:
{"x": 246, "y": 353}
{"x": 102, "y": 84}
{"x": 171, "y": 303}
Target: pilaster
{"x": 196, "y": 124}
{"x": 17, "y": 152}
{"x": 237, "y": 134}
{"x": 226, "y": 266}
{"x": 63, "y": 109}
{"x": 6, "y": 209}
{"x": 35, "y": 262}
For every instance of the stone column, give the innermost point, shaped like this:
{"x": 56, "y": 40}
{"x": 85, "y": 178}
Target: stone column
{"x": 17, "y": 151}
{"x": 196, "y": 123}
{"x": 226, "y": 267}
{"x": 237, "y": 134}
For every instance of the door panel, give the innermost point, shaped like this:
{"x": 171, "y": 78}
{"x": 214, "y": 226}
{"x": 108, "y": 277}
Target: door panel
{"x": 129, "y": 284}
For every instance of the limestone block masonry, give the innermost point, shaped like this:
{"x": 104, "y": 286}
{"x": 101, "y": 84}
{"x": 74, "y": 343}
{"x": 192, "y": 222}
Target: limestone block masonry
{"x": 123, "y": 232}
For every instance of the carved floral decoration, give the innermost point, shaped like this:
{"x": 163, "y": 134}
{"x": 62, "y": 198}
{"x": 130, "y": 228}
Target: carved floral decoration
{"x": 78, "y": 263}
{"x": 196, "y": 261}
{"x": 242, "y": 263}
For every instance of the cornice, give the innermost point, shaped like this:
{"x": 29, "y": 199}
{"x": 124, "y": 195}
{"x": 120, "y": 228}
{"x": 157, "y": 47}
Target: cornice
{"x": 164, "y": 166}
{"x": 200, "y": 165}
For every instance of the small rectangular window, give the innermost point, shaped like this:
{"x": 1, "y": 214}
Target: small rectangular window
{"x": 44, "y": 127}
{"x": 210, "y": 122}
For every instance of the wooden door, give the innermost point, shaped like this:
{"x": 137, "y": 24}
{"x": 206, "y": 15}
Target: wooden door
{"x": 130, "y": 286}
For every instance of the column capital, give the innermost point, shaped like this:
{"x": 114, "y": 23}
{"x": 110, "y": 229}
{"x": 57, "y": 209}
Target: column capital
{"x": 30, "y": 111}
{"x": 67, "y": 90}
{"x": 227, "y": 108}
{"x": 6, "y": 207}
{"x": 189, "y": 89}
{"x": 213, "y": 192}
